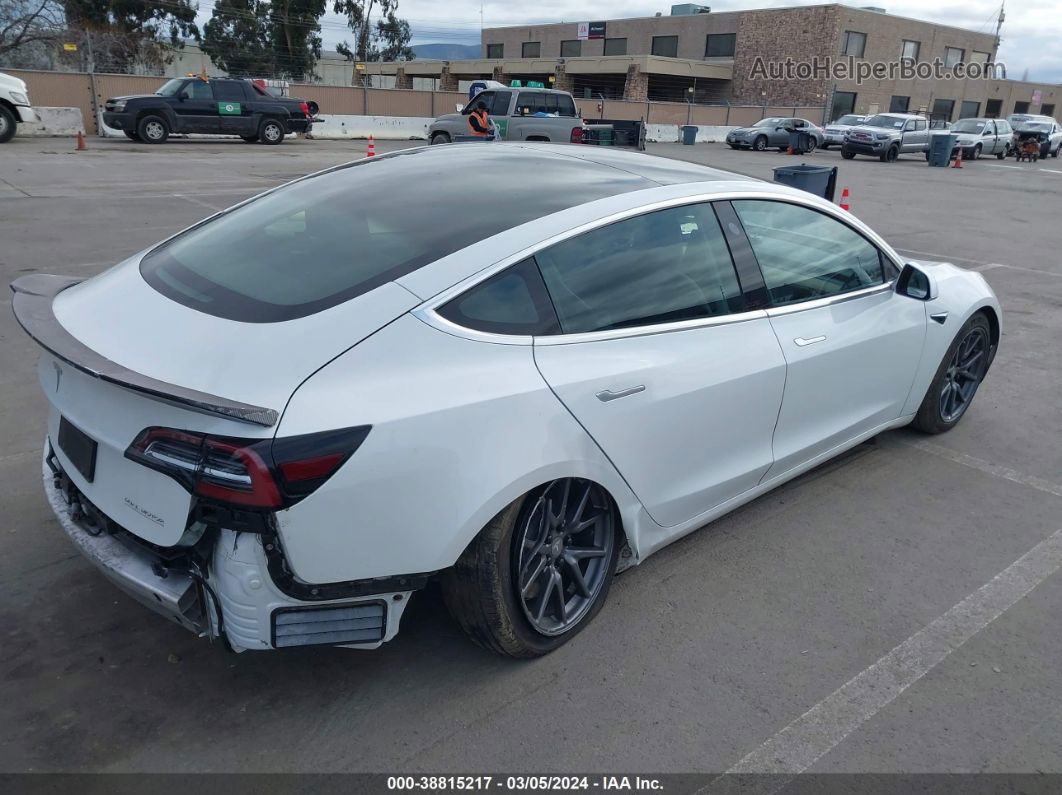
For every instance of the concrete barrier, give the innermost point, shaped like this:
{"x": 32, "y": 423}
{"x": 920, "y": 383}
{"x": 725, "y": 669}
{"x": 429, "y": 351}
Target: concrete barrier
{"x": 54, "y": 122}
{"x": 384, "y": 128}
{"x": 672, "y": 133}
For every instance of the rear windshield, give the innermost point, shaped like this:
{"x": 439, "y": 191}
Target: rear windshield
{"x": 328, "y": 238}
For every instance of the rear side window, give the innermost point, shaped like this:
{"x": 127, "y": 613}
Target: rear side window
{"x": 229, "y": 90}
{"x": 529, "y": 103}
{"x": 511, "y": 302}
{"x": 661, "y": 267}
{"x": 805, "y": 254}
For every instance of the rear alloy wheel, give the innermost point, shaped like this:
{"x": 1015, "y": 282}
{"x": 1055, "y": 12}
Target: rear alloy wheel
{"x": 957, "y": 379}
{"x": 270, "y": 132}
{"x": 153, "y": 130}
{"x": 539, "y": 572}
{"x": 760, "y": 143}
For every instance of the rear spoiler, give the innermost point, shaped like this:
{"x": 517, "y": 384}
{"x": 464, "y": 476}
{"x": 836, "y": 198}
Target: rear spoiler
{"x": 32, "y": 304}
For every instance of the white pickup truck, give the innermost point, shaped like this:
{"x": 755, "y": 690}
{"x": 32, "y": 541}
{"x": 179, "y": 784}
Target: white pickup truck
{"x": 14, "y": 106}
{"x": 520, "y": 114}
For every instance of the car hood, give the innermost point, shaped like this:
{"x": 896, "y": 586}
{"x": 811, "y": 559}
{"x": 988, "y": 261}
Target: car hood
{"x": 862, "y": 128}
{"x": 119, "y": 316}
{"x": 12, "y": 83}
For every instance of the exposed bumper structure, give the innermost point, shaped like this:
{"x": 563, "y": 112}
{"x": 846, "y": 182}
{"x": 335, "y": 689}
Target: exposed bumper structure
{"x": 27, "y": 114}
{"x": 234, "y": 597}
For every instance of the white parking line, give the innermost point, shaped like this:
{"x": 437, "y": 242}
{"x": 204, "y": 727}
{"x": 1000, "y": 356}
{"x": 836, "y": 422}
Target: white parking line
{"x": 993, "y": 165}
{"x": 1051, "y": 170}
{"x": 823, "y": 727}
{"x": 996, "y": 470}
{"x": 982, "y": 265}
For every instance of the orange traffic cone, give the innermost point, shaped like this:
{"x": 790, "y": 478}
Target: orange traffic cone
{"x": 958, "y": 160}
{"x": 372, "y": 147}
{"x": 844, "y": 199}
{"x": 81, "y": 147}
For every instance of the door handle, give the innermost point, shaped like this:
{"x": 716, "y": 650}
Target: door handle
{"x": 802, "y": 341}
{"x": 605, "y": 395}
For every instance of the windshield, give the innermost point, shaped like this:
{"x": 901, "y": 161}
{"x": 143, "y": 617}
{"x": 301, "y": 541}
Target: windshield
{"x": 333, "y": 236}
{"x": 888, "y": 122}
{"x": 968, "y": 126}
{"x": 170, "y": 87}
{"x": 848, "y": 120}
{"x": 774, "y": 121}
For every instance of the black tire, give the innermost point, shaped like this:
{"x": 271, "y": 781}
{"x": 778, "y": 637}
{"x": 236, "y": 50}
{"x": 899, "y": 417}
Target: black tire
{"x": 8, "y": 125}
{"x": 480, "y": 590}
{"x": 132, "y": 136}
{"x": 930, "y": 417}
{"x": 760, "y": 143}
{"x": 250, "y": 138}
{"x": 271, "y": 132}
{"x": 976, "y": 153}
{"x": 152, "y": 130}
{"x": 1004, "y": 154}
{"x": 1057, "y": 149}
{"x": 811, "y": 147}
{"x": 440, "y": 138}
{"x": 846, "y": 154}
{"x": 890, "y": 154}
{"x": 824, "y": 146}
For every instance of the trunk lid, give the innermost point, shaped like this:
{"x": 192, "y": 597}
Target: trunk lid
{"x": 177, "y": 350}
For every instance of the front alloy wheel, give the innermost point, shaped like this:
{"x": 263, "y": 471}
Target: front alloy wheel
{"x": 760, "y": 143}
{"x": 957, "y": 379}
{"x": 539, "y": 571}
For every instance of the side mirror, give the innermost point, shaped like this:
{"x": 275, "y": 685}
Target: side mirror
{"x": 916, "y": 283}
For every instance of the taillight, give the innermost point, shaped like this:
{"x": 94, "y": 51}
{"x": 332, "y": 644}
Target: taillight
{"x": 305, "y": 108}
{"x": 577, "y": 135}
{"x": 249, "y": 473}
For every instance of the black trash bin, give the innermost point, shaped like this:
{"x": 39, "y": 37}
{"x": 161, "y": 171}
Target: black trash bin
{"x": 820, "y": 180}
{"x": 689, "y": 134}
{"x": 799, "y": 142}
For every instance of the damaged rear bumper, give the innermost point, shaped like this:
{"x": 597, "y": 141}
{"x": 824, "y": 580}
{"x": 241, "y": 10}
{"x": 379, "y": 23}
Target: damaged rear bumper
{"x": 224, "y": 590}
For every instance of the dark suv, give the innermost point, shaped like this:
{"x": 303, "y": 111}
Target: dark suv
{"x": 219, "y": 106}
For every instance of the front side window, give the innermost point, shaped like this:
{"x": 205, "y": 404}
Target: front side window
{"x": 853, "y": 43}
{"x": 665, "y": 46}
{"x": 720, "y": 45}
{"x": 511, "y": 302}
{"x": 571, "y": 48}
{"x": 530, "y": 49}
{"x": 199, "y": 89}
{"x": 805, "y": 254}
{"x": 660, "y": 267}
{"x": 500, "y": 105}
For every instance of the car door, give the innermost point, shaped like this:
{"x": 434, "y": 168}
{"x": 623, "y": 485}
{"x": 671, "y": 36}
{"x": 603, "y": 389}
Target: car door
{"x": 852, "y": 344}
{"x": 235, "y": 107}
{"x": 499, "y": 111}
{"x": 196, "y": 109}
{"x": 662, "y": 360}
{"x": 779, "y": 135}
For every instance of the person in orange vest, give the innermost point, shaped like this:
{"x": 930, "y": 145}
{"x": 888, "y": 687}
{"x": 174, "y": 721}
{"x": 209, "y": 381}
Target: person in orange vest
{"x": 479, "y": 122}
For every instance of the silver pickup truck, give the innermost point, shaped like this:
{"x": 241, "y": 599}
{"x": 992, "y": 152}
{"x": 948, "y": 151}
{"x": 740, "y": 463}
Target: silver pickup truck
{"x": 520, "y": 114}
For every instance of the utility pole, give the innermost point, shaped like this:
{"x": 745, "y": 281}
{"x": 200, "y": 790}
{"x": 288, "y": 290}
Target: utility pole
{"x": 92, "y": 82}
{"x": 999, "y": 26}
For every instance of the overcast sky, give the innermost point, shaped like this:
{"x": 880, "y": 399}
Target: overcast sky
{"x": 1032, "y": 32}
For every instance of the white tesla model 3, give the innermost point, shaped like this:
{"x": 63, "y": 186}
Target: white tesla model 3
{"x": 518, "y": 367}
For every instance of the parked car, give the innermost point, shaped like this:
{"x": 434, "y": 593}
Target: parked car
{"x": 499, "y": 391}
{"x": 978, "y": 137}
{"x": 15, "y": 106}
{"x": 521, "y": 114}
{"x": 833, "y": 133}
{"x": 887, "y": 136}
{"x": 1042, "y": 129}
{"x": 773, "y": 132}
{"x": 218, "y": 106}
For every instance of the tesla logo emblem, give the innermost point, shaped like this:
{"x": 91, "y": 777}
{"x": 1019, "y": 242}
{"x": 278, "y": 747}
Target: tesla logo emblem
{"x": 58, "y": 375}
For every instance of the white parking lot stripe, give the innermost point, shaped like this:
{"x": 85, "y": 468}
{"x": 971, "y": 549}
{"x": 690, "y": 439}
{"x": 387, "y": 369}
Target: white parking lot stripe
{"x": 993, "y": 165}
{"x": 997, "y": 470}
{"x": 1051, "y": 170}
{"x": 819, "y": 730}
{"x": 984, "y": 266}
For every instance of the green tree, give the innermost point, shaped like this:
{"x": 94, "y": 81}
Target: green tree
{"x": 391, "y": 40}
{"x": 237, "y": 37}
{"x": 295, "y": 35}
{"x": 387, "y": 39}
{"x": 131, "y": 32}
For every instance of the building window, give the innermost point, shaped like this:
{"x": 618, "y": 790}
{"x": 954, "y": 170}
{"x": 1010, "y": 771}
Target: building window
{"x": 1047, "y": 110}
{"x": 942, "y": 109}
{"x": 531, "y": 49}
{"x": 1021, "y": 107}
{"x": 909, "y": 50}
{"x": 615, "y": 46}
{"x": 495, "y": 50}
{"x": 969, "y": 109}
{"x": 571, "y": 48}
{"x": 853, "y": 43}
{"x": 843, "y": 103}
{"x": 899, "y": 104}
{"x": 719, "y": 45}
{"x": 953, "y": 56}
{"x": 981, "y": 57}
{"x": 666, "y": 46}
{"x": 993, "y": 108}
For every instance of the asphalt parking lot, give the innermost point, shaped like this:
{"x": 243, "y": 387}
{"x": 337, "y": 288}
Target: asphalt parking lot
{"x": 838, "y": 624}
